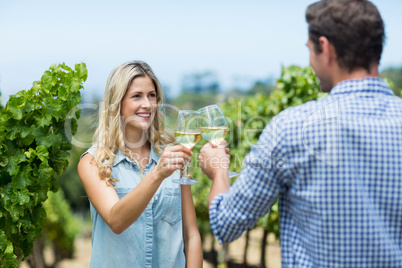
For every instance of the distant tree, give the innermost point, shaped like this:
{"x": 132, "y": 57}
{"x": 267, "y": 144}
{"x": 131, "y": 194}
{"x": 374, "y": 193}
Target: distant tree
{"x": 167, "y": 93}
{"x": 194, "y": 101}
{"x": 394, "y": 74}
{"x": 198, "y": 90}
{"x": 1, "y": 106}
{"x": 235, "y": 93}
{"x": 264, "y": 87}
{"x": 201, "y": 83}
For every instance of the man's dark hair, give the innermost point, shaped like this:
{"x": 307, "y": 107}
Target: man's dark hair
{"x": 354, "y": 27}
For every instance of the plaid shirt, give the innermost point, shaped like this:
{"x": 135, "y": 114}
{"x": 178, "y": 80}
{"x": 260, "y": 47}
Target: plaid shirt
{"x": 336, "y": 164}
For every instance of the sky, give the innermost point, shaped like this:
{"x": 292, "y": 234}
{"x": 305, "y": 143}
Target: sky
{"x": 241, "y": 41}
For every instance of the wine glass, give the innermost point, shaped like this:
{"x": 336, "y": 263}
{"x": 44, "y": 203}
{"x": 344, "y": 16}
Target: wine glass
{"x": 214, "y": 127}
{"x": 187, "y": 133}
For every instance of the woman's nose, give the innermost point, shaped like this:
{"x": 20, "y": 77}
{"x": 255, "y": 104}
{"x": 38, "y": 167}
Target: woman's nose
{"x": 146, "y": 103}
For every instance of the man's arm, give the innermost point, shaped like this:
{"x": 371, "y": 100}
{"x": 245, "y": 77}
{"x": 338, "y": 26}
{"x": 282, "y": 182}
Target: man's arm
{"x": 220, "y": 184}
{"x": 234, "y": 209}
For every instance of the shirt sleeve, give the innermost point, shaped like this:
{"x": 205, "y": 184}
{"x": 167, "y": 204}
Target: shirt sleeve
{"x": 255, "y": 190}
{"x": 90, "y": 151}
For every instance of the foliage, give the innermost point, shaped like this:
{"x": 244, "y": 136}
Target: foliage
{"x": 60, "y": 224}
{"x": 247, "y": 118}
{"x": 264, "y": 87}
{"x": 69, "y": 181}
{"x": 200, "y": 192}
{"x": 33, "y": 148}
{"x": 190, "y": 101}
{"x": 60, "y": 228}
{"x": 394, "y": 75}
{"x": 71, "y": 184}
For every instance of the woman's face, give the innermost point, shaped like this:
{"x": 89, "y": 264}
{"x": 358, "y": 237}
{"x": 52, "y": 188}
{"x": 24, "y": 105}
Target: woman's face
{"x": 139, "y": 104}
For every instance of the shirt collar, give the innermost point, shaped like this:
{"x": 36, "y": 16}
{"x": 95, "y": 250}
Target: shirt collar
{"x": 366, "y": 85}
{"x": 153, "y": 157}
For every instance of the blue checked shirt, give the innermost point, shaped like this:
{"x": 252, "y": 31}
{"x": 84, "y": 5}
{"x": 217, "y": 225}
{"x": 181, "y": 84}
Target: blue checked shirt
{"x": 337, "y": 167}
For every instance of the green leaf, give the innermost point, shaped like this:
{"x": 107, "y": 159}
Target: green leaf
{"x": 7, "y": 257}
{"x": 53, "y": 108}
{"x": 63, "y": 93}
{"x": 74, "y": 126}
{"x": 45, "y": 174}
{"x": 78, "y": 114}
{"x": 81, "y": 70}
{"x": 46, "y": 81}
{"x": 52, "y": 140}
{"x": 23, "y": 178}
{"x": 42, "y": 153}
{"x": 15, "y": 160}
{"x": 44, "y": 121}
{"x": 3, "y": 161}
{"x": 21, "y": 197}
{"x": 12, "y": 107}
{"x": 75, "y": 85}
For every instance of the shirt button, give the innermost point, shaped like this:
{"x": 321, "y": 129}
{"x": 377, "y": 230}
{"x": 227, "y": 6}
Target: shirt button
{"x": 156, "y": 198}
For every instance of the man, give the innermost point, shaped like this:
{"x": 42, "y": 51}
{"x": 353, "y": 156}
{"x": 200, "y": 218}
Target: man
{"x": 335, "y": 163}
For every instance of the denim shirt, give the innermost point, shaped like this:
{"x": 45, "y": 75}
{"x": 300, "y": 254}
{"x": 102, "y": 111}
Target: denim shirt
{"x": 155, "y": 239}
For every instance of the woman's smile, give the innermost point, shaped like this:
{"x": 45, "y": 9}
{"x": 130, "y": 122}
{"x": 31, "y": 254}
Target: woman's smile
{"x": 144, "y": 115}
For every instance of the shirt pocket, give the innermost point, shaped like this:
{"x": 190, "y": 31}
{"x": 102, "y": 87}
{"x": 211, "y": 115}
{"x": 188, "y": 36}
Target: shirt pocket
{"x": 172, "y": 206}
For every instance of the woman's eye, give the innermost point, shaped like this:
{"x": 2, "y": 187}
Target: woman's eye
{"x": 152, "y": 95}
{"x": 136, "y": 96}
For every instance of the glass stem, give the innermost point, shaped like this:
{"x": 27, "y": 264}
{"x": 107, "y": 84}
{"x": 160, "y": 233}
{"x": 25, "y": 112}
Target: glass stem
{"x": 185, "y": 169}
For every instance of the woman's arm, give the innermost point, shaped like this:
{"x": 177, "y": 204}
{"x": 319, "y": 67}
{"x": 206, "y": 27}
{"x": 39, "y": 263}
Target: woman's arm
{"x": 191, "y": 235}
{"x": 119, "y": 214}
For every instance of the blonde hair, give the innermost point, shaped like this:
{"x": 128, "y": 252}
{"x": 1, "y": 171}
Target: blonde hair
{"x": 109, "y": 136}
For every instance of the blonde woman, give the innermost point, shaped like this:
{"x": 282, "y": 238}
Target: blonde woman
{"x": 140, "y": 217}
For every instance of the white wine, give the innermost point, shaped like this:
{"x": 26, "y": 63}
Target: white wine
{"x": 187, "y": 138}
{"x": 214, "y": 134}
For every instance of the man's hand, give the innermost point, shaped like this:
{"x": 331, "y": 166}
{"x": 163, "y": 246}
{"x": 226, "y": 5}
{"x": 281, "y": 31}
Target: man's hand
{"x": 214, "y": 162}
{"x": 214, "y": 159}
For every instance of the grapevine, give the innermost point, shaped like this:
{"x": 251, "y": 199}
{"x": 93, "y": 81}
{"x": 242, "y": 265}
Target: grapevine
{"x": 34, "y": 148}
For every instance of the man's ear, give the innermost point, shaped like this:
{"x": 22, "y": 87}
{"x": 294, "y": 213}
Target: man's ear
{"x": 328, "y": 50}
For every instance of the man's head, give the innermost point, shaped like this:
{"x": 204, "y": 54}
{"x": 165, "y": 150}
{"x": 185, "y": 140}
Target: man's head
{"x": 354, "y": 28}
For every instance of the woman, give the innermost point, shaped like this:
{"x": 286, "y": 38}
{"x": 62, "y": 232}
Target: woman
{"x": 140, "y": 217}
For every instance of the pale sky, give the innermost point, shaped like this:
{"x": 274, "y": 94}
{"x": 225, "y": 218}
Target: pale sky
{"x": 241, "y": 41}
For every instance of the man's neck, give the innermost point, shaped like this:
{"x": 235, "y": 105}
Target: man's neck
{"x": 356, "y": 74}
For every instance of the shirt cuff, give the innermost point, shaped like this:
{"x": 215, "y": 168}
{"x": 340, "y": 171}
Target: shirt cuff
{"x": 213, "y": 216}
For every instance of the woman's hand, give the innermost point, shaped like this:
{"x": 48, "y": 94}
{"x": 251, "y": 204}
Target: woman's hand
{"x": 172, "y": 158}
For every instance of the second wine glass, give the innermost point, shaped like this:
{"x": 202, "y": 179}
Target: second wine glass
{"x": 214, "y": 127}
{"x": 187, "y": 133}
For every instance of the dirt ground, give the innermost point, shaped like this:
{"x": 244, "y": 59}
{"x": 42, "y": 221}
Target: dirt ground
{"x": 236, "y": 249}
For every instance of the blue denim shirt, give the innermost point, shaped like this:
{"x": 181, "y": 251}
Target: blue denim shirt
{"x": 155, "y": 239}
